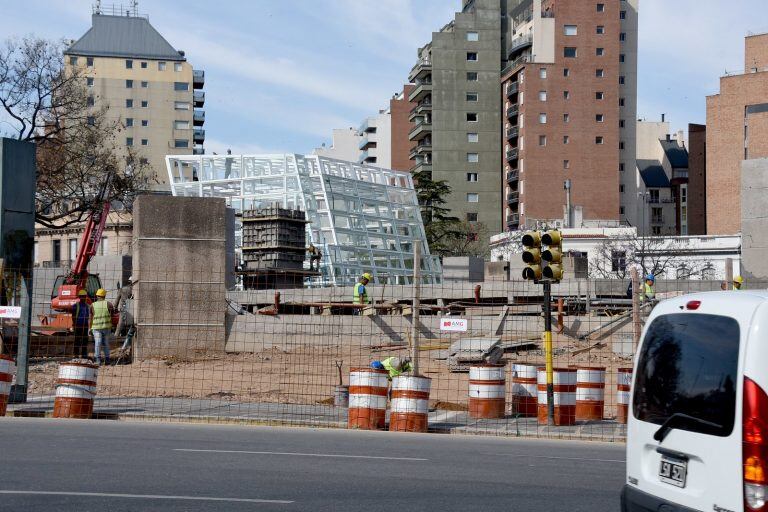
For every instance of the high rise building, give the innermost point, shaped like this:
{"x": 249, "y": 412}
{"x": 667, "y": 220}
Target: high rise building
{"x": 569, "y": 108}
{"x": 376, "y": 140}
{"x": 400, "y": 111}
{"x": 737, "y": 129}
{"x": 457, "y": 115}
{"x": 147, "y": 84}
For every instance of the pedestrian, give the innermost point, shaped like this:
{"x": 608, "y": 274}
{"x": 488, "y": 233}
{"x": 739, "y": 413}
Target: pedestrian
{"x": 81, "y": 323}
{"x": 359, "y": 293}
{"x": 315, "y": 255}
{"x": 394, "y": 365}
{"x": 738, "y": 281}
{"x": 101, "y": 325}
{"x": 123, "y": 296}
{"x": 724, "y": 285}
{"x": 647, "y": 292}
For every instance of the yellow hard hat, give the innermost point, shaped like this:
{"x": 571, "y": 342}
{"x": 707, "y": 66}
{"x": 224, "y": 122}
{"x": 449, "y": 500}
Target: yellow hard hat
{"x": 101, "y": 292}
{"x": 367, "y": 276}
{"x": 738, "y": 279}
{"x": 82, "y": 293}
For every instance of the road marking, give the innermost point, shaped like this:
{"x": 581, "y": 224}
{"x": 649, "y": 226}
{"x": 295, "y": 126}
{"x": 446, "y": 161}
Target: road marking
{"x": 296, "y": 454}
{"x": 561, "y": 458}
{"x": 144, "y": 496}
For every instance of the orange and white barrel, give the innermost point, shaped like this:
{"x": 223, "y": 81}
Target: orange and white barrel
{"x": 410, "y": 404}
{"x": 7, "y": 371}
{"x": 564, "y": 381}
{"x": 368, "y": 398}
{"x": 487, "y": 384}
{"x": 524, "y": 401}
{"x": 590, "y": 393}
{"x": 623, "y": 383}
{"x": 75, "y": 390}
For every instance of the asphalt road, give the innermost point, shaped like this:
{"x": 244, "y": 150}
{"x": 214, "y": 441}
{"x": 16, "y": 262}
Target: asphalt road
{"x": 71, "y": 465}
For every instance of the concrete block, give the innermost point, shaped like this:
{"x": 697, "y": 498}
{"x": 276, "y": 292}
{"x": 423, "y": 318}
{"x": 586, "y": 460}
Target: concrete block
{"x": 463, "y": 268}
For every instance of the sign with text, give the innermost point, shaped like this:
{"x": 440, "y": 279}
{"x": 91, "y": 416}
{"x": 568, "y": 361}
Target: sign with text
{"x": 454, "y": 324}
{"x": 10, "y": 312}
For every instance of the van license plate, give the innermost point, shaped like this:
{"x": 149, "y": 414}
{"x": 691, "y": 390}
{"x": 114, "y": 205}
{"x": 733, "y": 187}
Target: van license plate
{"x": 673, "y": 471}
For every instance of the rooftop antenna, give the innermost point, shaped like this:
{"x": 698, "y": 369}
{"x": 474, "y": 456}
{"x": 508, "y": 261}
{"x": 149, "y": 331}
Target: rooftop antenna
{"x": 135, "y": 7}
{"x": 97, "y": 7}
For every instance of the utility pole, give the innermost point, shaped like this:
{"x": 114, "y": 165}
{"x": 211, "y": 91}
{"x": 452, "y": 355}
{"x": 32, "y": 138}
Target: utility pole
{"x": 548, "y": 352}
{"x": 416, "y": 307}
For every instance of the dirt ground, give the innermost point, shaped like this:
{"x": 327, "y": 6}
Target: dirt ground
{"x": 308, "y": 374}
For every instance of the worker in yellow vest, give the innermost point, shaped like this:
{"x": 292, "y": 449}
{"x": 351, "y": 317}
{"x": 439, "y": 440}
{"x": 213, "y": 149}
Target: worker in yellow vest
{"x": 101, "y": 325}
{"x": 647, "y": 292}
{"x": 394, "y": 365}
{"x": 738, "y": 281}
{"x": 359, "y": 293}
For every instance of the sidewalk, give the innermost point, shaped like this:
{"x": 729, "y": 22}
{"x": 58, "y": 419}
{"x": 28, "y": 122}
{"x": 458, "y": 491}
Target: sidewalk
{"x": 221, "y": 411}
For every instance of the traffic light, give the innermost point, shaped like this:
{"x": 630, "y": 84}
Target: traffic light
{"x": 553, "y": 255}
{"x": 532, "y": 255}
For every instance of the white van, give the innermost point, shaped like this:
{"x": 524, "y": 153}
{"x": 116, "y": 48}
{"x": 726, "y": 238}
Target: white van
{"x": 697, "y": 434}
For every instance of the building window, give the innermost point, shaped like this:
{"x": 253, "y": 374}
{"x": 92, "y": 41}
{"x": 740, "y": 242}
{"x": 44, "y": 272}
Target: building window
{"x": 566, "y": 95}
{"x": 600, "y": 7}
{"x": 129, "y": 141}
{"x": 542, "y": 72}
{"x": 621, "y": 167}
{"x": 542, "y": 95}
{"x": 621, "y": 57}
{"x": 599, "y": 73}
{"x": 622, "y": 37}
{"x": 89, "y": 81}
{"x": 621, "y": 80}
{"x": 181, "y": 105}
{"x": 600, "y": 29}
{"x": 656, "y": 230}
{"x": 73, "y": 61}
{"x": 473, "y": 158}
{"x": 566, "y": 72}
{"x": 570, "y": 30}
{"x": 621, "y": 210}
{"x": 621, "y": 102}
{"x": 128, "y": 103}
{"x": 89, "y": 62}
{"x": 129, "y": 84}
{"x": 472, "y": 117}
{"x": 599, "y": 95}
{"x": 144, "y": 142}
{"x": 143, "y": 64}
{"x": 542, "y": 140}
{"x": 473, "y": 36}
{"x": 621, "y": 123}
{"x": 599, "y": 140}
{"x": 618, "y": 261}
{"x": 161, "y": 66}
{"x": 599, "y": 118}
{"x": 144, "y": 84}
{"x": 89, "y": 101}
{"x": 566, "y": 118}
{"x": 621, "y": 189}
{"x": 145, "y": 122}
{"x": 104, "y": 246}
{"x": 471, "y": 217}
{"x": 56, "y": 250}
{"x": 91, "y": 121}
{"x": 566, "y": 164}
{"x": 144, "y": 104}
{"x": 542, "y": 118}
{"x": 599, "y": 52}
{"x": 128, "y": 122}
{"x": 472, "y": 176}
{"x": 569, "y": 52}
{"x": 181, "y": 125}
{"x": 621, "y": 144}
{"x": 473, "y": 137}
{"x": 180, "y": 86}
{"x": 472, "y": 76}
{"x": 472, "y": 96}
{"x": 622, "y": 15}
{"x": 566, "y": 139}
{"x": 177, "y": 66}
{"x": 181, "y": 143}
{"x": 473, "y": 198}
{"x": 128, "y": 64}
{"x": 472, "y": 56}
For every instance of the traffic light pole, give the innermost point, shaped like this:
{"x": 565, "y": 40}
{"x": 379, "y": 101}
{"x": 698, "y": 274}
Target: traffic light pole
{"x": 548, "y": 352}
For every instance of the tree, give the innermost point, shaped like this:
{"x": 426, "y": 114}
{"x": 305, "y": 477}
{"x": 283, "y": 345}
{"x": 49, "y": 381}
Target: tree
{"x": 45, "y": 102}
{"x": 467, "y": 239}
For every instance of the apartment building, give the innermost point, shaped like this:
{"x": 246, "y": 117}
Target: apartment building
{"x": 400, "y": 112}
{"x": 457, "y": 116}
{"x": 569, "y": 108}
{"x": 376, "y": 140}
{"x": 148, "y": 85}
{"x": 737, "y": 129}
{"x": 697, "y": 179}
{"x": 345, "y": 145}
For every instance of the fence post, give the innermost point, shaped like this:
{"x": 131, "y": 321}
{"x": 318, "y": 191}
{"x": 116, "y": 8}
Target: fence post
{"x": 728, "y": 273}
{"x": 636, "y": 328}
{"x": 416, "y": 307}
{"x": 548, "y": 352}
{"x": 19, "y": 390}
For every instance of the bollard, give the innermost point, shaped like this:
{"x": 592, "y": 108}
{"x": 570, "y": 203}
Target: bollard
{"x": 75, "y": 390}
{"x": 623, "y": 383}
{"x": 524, "y": 392}
{"x": 7, "y": 371}
{"x": 487, "y": 390}
{"x": 564, "y": 382}
{"x": 410, "y": 404}
{"x": 590, "y": 393}
{"x": 368, "y": 398}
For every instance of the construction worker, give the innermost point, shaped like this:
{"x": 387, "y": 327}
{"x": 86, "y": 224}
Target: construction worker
{"x": 647, "y": 292}
{"x": 315, "y": 255}
{"x": 738, "y": 281}
{"x": 81, "y": 323}
{"x": 101, "y": 325}
{"x": 394, "y": 365}
{"x": 359, "y": 293}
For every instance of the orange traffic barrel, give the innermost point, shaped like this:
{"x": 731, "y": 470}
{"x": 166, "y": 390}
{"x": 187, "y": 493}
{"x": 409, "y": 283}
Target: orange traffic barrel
{"x": 410, "y": 404}
{"x": 590, "y": 393}
{"x": 7, "y": 371}
{"x": 623, "y": 383}
{"x": 368, "y": 398}
{"x": 75, "y": 390}
{"x": 564, "y": 383}
{"x": 524, "y": 402}
{"x": 486, "y": 390}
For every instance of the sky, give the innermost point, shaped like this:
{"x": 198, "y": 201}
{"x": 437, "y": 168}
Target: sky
{"x": 281, "y": 74}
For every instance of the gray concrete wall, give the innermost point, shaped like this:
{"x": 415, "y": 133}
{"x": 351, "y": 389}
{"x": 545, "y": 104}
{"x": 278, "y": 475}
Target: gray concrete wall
{"x": 463, "y": 268}
{"x": 17, "y": 202}
{"x": 180, "y": 271}
{"x": 754, "y": 219}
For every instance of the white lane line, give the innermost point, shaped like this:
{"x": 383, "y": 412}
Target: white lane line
{"x": 561, "y": 458}
{"x": 295, "y": 454}
{"x": 144, "y": 496}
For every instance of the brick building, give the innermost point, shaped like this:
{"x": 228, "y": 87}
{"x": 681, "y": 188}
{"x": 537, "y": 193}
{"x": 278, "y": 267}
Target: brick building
{"x": 697, "y": 179}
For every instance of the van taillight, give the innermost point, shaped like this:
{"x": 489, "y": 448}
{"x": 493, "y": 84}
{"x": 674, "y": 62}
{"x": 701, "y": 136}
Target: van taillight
{"x": 693, "y": 304}
{"x": 755, "y": 446}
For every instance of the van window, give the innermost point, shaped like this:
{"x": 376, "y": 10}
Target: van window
{"x": 688, "y": 364}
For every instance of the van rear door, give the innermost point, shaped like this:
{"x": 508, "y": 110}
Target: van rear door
{"x": 684, "y": 441}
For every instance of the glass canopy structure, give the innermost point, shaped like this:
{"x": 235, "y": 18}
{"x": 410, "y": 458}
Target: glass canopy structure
{"x": 365, "y": 219}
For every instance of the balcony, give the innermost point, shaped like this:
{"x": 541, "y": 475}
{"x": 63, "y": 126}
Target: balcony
{"x": 520, "y": 43}
{"x": 198, "y": 78}
{"x": 512, "y": 89}
{"x": 366, "y": 143}
{"x": 513, "y": 196}
{"x": 421, "y": 109}
{"x": 199, "y": 136}
{"x": 367, "y": 157}
{"x": 422, "y": 68}
{"x": 424, "y": 147}
{"x": 512, "y": 132}
{"x": 513, "y": 110}
{"x": 421, "y": 91}
{"x": 679, "y": 174}
{"x": 511, "y": 154}
{"x": 422, "y": 165}
{"x": 198, "y": 150}
{"x": 513, "y": 220}
{"x": 199, "y": 98}
{"x": 513, "y": 175}
{"x": 422, "y": 129}
{"x": 198, "y": 117}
